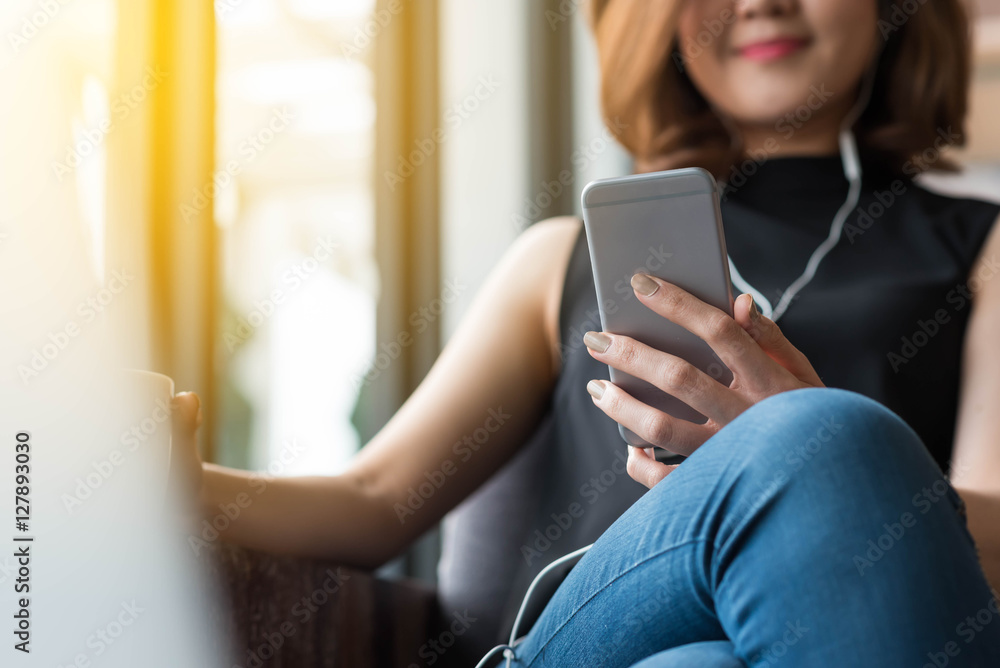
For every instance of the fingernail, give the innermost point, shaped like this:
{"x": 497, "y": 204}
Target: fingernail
{"x": 598, "y": 341}
{"x": 197, "y": 400}
{"x": 754, "y": 313}
{"x": 644, "y": 285}
{"x": 596, "y": 389}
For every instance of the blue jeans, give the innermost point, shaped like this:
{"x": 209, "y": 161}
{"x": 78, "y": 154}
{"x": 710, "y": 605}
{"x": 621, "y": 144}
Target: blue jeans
{"x": 814, "y": 530}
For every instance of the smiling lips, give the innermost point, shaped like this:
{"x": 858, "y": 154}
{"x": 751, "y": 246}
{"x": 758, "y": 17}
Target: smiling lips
{"x": 774, "y": 49}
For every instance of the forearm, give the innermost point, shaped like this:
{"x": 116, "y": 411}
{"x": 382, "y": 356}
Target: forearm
{"x": 983, "y": 510}
{"x": 323, "y": 517}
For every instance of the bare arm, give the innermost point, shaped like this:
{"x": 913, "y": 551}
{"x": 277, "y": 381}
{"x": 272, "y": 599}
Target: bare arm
{"x": 477, "y": 405}
{"x": 976, "y": 462}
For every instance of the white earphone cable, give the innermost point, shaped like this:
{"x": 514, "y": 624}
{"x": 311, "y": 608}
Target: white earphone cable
{"x": 763, "y": 302}
{"x": 852, "y": 169}
{"x": 852, "y": 172}
{"x": 508, "y": 649}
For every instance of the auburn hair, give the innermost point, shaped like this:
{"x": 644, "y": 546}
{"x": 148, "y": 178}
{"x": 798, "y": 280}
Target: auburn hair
{"x": 920, "y": 90}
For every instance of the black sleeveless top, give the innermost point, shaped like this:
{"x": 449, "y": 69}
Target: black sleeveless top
{"x": 885, "y": 316}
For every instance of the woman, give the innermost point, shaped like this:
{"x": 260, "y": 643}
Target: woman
{"x": 809, "y": 526}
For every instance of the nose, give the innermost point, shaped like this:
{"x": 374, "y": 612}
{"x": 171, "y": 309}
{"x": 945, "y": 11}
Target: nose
{"x": 749, "y": 9}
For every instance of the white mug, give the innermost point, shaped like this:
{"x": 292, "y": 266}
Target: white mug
{"x": 145, "y": 432}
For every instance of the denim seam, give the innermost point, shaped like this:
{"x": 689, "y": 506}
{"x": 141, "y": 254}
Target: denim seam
{"x": 611, "y": 582}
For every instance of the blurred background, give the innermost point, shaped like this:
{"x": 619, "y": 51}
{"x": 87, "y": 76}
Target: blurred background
{"x": 308, "y": 193}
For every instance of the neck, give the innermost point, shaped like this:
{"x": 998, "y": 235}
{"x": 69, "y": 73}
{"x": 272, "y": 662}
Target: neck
{"x": 818, "y": 135}
{"x": 767, "y": 141}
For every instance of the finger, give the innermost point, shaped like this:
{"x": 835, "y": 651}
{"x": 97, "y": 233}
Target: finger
{"x": 653, "y": 426}
{"x": 772, "y": 341}
{"x": 644, "y": 469}
{"x": 184, "y": 469}
{"x": 723, "y": 334}
{"x": 185, "y": 418}
{"x": 670, "y": 373}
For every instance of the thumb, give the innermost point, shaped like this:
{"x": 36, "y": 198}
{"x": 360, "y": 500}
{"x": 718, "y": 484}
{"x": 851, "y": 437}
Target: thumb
{"x": 185, "y": 461}
{"x": 185, "y": 418}
{"x": 644, "y": 469}
{"x": 772, "y": 341}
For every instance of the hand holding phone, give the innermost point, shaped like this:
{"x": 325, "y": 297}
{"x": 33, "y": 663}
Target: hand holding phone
{"x": 669, "y": 225}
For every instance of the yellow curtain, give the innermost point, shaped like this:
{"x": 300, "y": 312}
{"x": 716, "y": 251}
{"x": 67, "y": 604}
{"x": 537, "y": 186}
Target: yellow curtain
{"x": 160, "y": 182}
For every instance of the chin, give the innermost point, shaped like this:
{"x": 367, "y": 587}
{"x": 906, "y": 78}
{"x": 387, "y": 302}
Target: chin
{"x": 766, "y": 115}
{"x": 768, "y": 105}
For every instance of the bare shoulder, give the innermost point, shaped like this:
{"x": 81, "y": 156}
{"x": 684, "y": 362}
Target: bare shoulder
{"x": 987, "y": 266}
{"x": 546, "y": 247}
{"x": 976, "y": 459}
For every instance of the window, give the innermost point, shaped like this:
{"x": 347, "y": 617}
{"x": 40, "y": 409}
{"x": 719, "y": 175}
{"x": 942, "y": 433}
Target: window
{"x": 60, "y": 59}
{"x": 294, "y": 202}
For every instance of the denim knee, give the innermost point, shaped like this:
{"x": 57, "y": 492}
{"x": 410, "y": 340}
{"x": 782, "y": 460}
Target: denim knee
{"x": 794, "y": 428}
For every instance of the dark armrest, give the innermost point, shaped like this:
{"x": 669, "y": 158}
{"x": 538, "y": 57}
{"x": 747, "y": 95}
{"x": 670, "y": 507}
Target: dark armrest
{"x": 302, "y": 613}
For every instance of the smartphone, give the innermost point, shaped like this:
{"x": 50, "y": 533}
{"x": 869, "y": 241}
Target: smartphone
{"x": 669, "y": 225}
